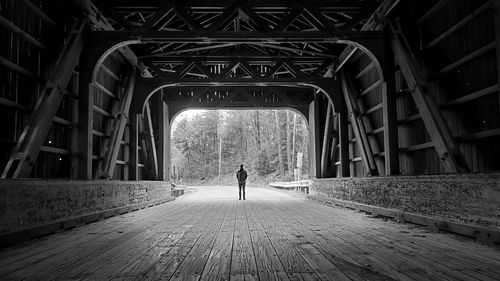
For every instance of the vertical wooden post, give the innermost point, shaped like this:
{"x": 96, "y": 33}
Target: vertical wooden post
{"x": 163, "y": 138}
{"x": 391, "y": 146}
{"x": 312, "y": 141}
{"x": 496, "y": 7}
{"x": 326, "y": 142}
{"x": 151, "y": 139}
{"x": 25, "y": 154}
{"x": 85, "y": 117}
{"x": 343, "y": 139}
{"x": 116, "y": 136}
{"x": 317, "y": 136}
{"x": 133, "y": 161}
{"x": 358, "y": 125}
{"x": 74, "y": 129}
{"x": 446, "y": 146}
{"x": 332, "y": 169}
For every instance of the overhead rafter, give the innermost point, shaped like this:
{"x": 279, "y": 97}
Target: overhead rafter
{"x": 245, "y": 36}
{"x": 446, "y": 146}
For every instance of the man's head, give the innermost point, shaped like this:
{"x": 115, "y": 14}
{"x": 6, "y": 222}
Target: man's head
{"x": 241, "y": 166}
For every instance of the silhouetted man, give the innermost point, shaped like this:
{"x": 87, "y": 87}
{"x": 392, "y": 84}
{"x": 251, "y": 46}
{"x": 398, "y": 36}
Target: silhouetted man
{"x": 241, "y": 175}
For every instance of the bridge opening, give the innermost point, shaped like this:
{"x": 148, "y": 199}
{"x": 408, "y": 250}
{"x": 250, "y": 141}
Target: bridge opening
{"x": 207, "y": 146}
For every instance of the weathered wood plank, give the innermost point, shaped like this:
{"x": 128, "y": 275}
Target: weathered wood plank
{"x": 209, "y": 235}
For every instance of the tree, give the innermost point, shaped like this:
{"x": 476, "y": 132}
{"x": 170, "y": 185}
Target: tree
{"x": 278, "y": 145}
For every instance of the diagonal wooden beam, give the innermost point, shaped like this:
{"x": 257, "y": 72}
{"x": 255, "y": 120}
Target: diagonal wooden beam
{"x": 274, "y": 69}
{"x": 296, "y": 50}
{"x": 364, "y": 13}
{"x": 294, "y": 70}
{"x": 225, "y": 17}
{"x": 324, "y": 66}
{"x": 182, "y": 13}
{"x": 106, "y": 10}
{"x": 373, "y": 23}
{"x": 155, "y": 18}
{"x": 358, "y": 126}
{"x": 151, "y": 138}
{"x": 292, "y": 16}
{"x": 198, "y": 64}
{"x": 334, "y": 146}
{"x": 445, "y": 144}
{"x": 28, "y": 147}
{"x": 261, "y": 25}
{"x": 157, "y": 69}
{"x": 119, "y": 123}
{"x": 185, "y": 68}
{"x": 322, "y": 22}
{"x": 326, "y": 142}
{"x": 231, "y": 67}
{"x": 187, "y": 50}
{"x": 248, "y": 69}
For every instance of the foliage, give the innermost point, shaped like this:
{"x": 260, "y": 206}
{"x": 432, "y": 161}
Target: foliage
{"x": 249, "y": 137}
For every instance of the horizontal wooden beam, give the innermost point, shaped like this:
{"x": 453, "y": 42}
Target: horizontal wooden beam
{"x": 99, "y": 134}
{"x": 217, "y": 6}
{"x": 55, "y": 150}
{"x": 261, "y": 81}
{"x": 371, "y": 88}
{"x": 367, "y": 68}
{"x": 410, "y": 118}
{"x": 458, "y": 25}
{"x": 104, "y": 90}
{"x": 376, "y": 131}
{"x": 472, "y": 96}
{"x": 17, "y": 68}
{"x": 63, "y": 121}
{"x": 109, "y": 72}
{"x": 373, "y": 109}
{"x": 39, "y": 12}
{"x": 432, "y": 10}
{"x": 102, "y": 111}
{"x": 21, "y": 33}
{"x": 13, "y": 104}
{"x": 467, "y": 58}
{"x": 417, "y": 147}
{"x": 480, "y": 135}
{"x": 224, "y": 59}
{"x": 271, "y": 37}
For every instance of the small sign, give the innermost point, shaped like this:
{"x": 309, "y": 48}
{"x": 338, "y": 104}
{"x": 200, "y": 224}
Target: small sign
{"x": 299, "y": 160}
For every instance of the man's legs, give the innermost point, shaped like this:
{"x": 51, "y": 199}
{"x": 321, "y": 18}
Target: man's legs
{"x": 243, "y": 187}
{"x": 239, "y": 187}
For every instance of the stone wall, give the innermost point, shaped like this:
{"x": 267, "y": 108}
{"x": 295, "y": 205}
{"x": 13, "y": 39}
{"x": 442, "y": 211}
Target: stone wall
{"x": 27, "y": 203}
{"x": 473, "y": 198}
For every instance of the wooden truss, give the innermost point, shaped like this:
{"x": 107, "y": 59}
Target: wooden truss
{"x": 444, "y": 142}
{"x": 31, "y": 141}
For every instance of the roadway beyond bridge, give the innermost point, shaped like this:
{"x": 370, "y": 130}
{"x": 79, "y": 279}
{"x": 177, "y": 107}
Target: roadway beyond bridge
{"x": 209, "y": 235}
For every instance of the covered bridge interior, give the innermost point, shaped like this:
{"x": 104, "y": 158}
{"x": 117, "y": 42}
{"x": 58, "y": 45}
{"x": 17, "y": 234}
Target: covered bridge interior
{"x": 402, "y": 100}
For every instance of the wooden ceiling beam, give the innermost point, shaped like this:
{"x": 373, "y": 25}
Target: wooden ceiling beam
{"x": 217, "y": 6}
{"x": 214, "y": 59}
{"x": 290, "y": 18}
{"x": 155, "y": 18}
{"x": 187, "y": 50}
{"x": 182, "y": 13}
{"x": 272, "y": 37}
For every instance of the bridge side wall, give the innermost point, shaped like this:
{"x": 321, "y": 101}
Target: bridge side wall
{"x": 461, "y": 198}
{"x": 25, "y": 204}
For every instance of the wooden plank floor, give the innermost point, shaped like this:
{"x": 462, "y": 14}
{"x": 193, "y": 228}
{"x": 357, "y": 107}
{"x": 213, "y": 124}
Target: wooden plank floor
{"x": 208, "y": 235}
